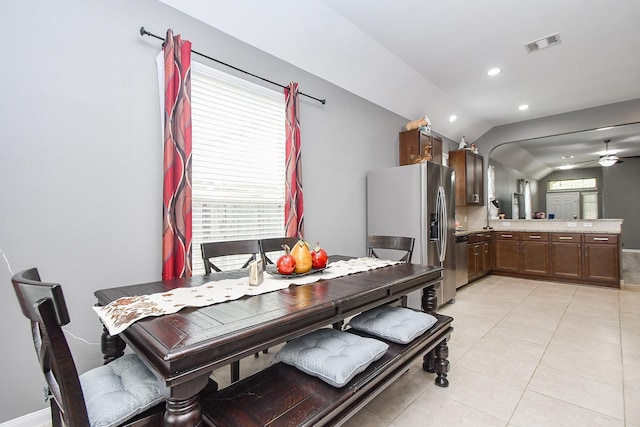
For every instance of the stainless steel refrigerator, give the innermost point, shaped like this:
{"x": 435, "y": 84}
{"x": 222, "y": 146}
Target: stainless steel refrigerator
{"x": 417, "y": 201}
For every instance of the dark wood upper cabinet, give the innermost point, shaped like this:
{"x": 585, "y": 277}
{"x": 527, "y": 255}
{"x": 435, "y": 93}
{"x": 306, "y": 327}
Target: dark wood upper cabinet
{"x": 414, "y": 144}
{"x": 469, "y": 168}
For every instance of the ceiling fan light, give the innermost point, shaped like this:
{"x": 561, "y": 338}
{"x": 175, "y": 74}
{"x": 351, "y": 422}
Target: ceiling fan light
{"x": 608, "y": 160}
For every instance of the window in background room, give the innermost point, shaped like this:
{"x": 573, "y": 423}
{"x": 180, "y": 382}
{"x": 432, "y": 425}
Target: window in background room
{"x": 590, "y": 205}
{"x": 572, "y": 184}
{"x": 238, "y": 161}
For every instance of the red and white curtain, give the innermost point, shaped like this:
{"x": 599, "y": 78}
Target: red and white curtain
{"x": 176, "y": 230}
{"x": 294, "y": 206}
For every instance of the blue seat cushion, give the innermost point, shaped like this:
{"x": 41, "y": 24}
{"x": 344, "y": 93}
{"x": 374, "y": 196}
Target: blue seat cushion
{"x": 397, "y": 324}
{"x": 333, "y": 356}
{"x": 120, "y": 390}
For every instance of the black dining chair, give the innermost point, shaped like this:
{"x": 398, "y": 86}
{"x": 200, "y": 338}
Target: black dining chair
{"x": 123, "y": 392}
{"x": 273, "y": 247}
{"x": 209, "y": 250}
{"x": 392, "y": 245}
{"x": 250, "y": 248}
{"x": 395, "y": 244}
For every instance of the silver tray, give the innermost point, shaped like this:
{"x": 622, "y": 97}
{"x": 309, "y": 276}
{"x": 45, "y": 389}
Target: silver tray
{"x": 273, "y": 270}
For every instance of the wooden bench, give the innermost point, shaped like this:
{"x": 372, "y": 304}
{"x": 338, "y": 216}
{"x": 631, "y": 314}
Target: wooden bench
{"x": 281, "y": 395}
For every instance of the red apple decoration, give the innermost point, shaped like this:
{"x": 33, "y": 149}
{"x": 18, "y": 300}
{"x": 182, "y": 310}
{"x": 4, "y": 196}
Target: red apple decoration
{"x": 286, "y": 263}
{"x": 319, "y": 257}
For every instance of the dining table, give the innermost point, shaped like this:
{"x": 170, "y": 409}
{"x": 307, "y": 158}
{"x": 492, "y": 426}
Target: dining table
{"x": 184, "y": 348}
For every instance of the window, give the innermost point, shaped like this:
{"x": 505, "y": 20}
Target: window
{"x": 238, "y": 161}
{"x": 572, "y": 184}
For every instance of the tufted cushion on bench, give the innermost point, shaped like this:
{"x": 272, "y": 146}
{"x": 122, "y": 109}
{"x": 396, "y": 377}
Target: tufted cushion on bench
{"x": 115, "y": 392}
{"x": 333, "y": 356}
{"x": 397, "y": 324}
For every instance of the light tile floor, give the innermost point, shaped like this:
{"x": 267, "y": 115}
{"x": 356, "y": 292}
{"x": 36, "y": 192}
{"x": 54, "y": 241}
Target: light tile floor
{"x": 523, "y": 353}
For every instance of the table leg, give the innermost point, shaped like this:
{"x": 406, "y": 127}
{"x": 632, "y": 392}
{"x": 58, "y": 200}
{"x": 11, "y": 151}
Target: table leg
{"x": 183, "y": 405}
{"x": 112, "y": 346}
{"x": 429, "y": 299}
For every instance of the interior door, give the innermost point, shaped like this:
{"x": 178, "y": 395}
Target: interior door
{"x": 564, "y": 205}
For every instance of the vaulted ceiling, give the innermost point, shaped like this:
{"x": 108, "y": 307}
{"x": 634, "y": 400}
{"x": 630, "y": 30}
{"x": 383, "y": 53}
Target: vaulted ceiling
{"x": 419, "y": 57}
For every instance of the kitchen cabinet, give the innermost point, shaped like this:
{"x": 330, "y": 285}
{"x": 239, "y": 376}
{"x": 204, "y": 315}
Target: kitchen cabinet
{"x": 469, "y": 168}
{"x": 524, "y": 253}
{"x": 566, "y": 255}
{"x": 588, "y": 258}
{"x": 602, "y": 258}
{"x": 534, "y": 250}
{"x": 505, "y": 252}
{"x": 479, "y": 259}
{"x": 412, "y": 144}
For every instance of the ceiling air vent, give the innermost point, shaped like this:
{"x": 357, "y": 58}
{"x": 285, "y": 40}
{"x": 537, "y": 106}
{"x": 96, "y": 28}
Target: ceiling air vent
{"x": 542, "y": 43}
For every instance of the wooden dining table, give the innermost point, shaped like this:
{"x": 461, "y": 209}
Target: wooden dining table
{"x": 184, "y": 348}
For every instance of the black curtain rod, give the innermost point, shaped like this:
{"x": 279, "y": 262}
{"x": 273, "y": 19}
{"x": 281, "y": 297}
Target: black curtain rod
{"x": 144, "y": 32}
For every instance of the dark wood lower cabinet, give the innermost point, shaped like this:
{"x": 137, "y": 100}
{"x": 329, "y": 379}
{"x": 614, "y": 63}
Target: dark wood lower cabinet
{"x": 534, "y": 251}
{"x": 506, "y": 253}
{"x": 602, "y": 258}
{"x": 574, "y": 257}
{"x": 479, "y": 258}
{"x": 566, "y": 255}
{"x": 522, "y": 253}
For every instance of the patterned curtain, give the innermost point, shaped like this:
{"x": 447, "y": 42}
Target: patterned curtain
{"x": 176, "y": 233}
{"x": 293, "y": 208}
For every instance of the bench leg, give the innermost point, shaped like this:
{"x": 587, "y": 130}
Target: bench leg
{"x": 436, "y": 361}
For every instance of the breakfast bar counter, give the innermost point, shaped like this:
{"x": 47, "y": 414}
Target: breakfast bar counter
{"x": 608, "y": 226}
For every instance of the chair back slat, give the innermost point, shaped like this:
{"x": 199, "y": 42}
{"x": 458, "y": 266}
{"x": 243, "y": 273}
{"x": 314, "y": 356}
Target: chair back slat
{"x": 274, "y": 244}
{"x": 234, "y": 247}
{"x": 396, "y": 243}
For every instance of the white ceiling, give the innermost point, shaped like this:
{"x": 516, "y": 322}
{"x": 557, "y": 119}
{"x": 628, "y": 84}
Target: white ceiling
{"x": 430, "y": 57}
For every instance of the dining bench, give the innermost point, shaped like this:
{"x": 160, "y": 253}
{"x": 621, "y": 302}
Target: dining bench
{"x": 282, "y": 395}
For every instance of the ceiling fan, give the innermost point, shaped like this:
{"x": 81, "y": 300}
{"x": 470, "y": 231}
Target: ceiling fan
{"x": 608, "y": 159}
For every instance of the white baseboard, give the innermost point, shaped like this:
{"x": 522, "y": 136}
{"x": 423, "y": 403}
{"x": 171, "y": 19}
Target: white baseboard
{"x": 41, "y": 418}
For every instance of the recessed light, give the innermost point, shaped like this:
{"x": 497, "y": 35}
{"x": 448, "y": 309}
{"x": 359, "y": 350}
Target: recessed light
{"x": 494, "y": 71}
{"x": 453, "y": 118}
{"x": 523, "y": 107}
{"x": 567, "y": 157}
{"x": 567, "y": 166}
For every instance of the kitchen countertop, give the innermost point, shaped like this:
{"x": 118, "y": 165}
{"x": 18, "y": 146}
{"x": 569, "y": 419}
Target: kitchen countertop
{"x": 609, "y": 226}
{"x": 466, "y": 232}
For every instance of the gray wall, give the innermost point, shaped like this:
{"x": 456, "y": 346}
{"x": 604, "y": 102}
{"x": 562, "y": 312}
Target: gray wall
{"x": 621, "y": 198}
{"x": 81, "y": 164}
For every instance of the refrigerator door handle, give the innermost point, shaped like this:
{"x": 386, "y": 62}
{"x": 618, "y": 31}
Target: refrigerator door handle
{"x": 441, "y": 209}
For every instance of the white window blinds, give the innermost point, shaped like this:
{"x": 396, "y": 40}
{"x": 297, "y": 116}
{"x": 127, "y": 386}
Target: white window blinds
{"x": 238, "y": 160}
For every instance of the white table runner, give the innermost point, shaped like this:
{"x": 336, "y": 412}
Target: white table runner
{"x": 121, "y": 313}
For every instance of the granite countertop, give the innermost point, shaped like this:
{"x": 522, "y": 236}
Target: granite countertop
{"x": 466, "y": 232}
{"x": 608, "y": 226}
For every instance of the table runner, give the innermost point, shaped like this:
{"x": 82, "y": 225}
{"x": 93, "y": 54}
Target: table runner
{"x": 121, "y": 313}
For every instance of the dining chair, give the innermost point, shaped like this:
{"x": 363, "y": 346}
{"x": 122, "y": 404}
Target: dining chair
{"x": 393, "y": 243}
{"x": 123, "y": 392}
{"x": 233, "y": 247}
{"x": 210, "y": 250}
{"x": 273, "y": 246}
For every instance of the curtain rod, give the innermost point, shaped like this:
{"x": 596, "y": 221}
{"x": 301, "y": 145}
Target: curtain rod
{"x": 144, "y": 32}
